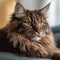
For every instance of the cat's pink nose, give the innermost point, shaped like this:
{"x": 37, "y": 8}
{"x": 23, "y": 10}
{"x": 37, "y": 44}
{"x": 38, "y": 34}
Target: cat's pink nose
{"x": 38, "y": 28}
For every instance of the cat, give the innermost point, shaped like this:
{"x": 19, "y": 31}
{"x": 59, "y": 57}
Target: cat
{"x": 6, "y": 9}
{"x": 28, "y": 34}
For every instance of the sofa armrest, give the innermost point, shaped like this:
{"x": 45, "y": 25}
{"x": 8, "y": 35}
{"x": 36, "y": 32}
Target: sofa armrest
{"x": 56, "y": 32}
{"x": 56, "y": 29}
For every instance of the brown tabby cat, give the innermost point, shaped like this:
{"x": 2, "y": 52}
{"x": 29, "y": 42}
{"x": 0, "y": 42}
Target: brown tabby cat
{"x": 28, "y": 34}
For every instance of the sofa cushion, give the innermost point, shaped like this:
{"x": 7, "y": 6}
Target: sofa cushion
{"x": 9, "y": 56}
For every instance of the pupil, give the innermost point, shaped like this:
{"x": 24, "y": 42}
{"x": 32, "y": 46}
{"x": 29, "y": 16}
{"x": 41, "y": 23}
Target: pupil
{"x": 29, "y": 23}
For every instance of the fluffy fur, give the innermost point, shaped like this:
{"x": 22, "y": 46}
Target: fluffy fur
{"x": 28, "y": 34}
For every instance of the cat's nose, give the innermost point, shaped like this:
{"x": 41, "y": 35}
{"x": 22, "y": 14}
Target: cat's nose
{"x": 38, "y": 28}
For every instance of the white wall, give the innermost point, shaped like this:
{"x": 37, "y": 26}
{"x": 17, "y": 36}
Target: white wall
{"x": 52, "y": 14}
{"x": 34, "y": 4}
{"x": 58, "y": 11}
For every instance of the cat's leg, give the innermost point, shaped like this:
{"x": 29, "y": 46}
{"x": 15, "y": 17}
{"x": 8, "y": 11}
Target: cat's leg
{"x": 56, "y": 54}
{"x": 53, "y": 51}
{"x": 37, "y": 50}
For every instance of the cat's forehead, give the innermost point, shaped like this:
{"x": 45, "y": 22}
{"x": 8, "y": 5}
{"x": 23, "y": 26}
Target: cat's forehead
{"x": 35, "y": 15}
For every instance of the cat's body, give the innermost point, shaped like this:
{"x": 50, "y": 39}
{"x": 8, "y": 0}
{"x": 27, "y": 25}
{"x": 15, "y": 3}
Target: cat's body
{"x": 28, "y": 34}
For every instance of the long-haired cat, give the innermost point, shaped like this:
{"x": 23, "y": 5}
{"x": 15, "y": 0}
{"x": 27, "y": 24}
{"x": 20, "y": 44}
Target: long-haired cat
{"x": 28, "y": 34}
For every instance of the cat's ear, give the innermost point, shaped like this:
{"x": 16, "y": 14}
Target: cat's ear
{"x": 45, "y": 9}
{"x": 19, "y": 10}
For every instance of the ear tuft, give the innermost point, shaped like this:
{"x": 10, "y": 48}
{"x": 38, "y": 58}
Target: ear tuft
{"x": 45, "y": 9}
{"x": 19, "y": 10}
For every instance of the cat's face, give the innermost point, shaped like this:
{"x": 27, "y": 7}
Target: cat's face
{"x": 32, "y": 24}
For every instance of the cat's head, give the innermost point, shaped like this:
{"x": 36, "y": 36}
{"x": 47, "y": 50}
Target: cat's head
{"x": 33, "y": 24}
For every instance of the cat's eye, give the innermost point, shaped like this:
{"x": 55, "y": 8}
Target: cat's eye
{"x": 29, "y": 23}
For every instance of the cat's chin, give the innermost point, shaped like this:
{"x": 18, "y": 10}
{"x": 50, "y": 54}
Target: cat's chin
{"x": 36, "y": 38}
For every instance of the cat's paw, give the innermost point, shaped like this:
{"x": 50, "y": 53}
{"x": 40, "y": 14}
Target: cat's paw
{"x": 56, "y": 55}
